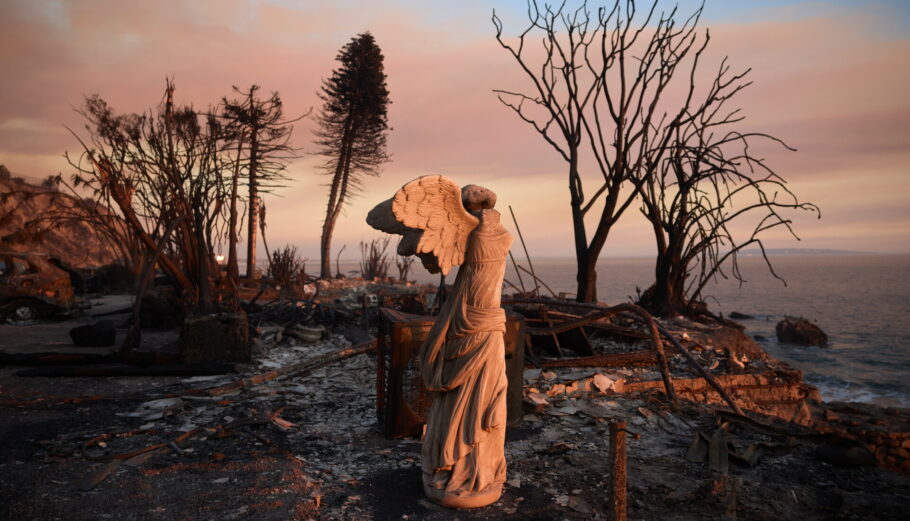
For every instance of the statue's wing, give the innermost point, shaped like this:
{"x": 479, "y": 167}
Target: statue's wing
{"x": 433, "y": 204}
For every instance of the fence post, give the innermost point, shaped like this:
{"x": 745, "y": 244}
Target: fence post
{"x": 618, "y": 464}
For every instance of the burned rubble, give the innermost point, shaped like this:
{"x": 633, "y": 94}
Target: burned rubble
{"x": 295, "y": 434}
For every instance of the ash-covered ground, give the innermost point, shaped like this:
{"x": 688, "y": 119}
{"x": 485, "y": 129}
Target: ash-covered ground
{"x": 309, "y": 447}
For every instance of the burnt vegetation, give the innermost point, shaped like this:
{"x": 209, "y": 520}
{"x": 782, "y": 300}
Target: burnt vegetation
{"x": 619, "y": 94}
{"x": 287, "y": 266}
{"x": 260, "y": 142}
{"x": 374, "y": 262}
{"x": 163, "y": 169}
{"x": 623, "y": 95}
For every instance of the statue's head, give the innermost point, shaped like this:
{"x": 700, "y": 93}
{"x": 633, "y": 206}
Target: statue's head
{"x": 476, "y": 198}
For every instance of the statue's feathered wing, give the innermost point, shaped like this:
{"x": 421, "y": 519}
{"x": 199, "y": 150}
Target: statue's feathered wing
{"x": 432, "y": 207}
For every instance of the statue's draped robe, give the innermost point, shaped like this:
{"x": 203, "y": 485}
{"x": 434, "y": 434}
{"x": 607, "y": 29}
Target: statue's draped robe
{"x": 463, "y": 362}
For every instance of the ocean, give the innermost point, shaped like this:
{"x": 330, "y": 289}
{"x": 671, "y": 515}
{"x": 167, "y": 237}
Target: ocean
{"x": 861, "y": 301}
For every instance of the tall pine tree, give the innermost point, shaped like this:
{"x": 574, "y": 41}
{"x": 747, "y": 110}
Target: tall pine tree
{"x": 352, "y": 128}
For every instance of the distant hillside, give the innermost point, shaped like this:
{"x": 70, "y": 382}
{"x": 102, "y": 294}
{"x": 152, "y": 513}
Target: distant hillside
{"x": 74, "y": 243}
{"x": 777, "y": 252}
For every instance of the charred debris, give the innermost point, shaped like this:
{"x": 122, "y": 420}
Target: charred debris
{"x": 323, "y": 397}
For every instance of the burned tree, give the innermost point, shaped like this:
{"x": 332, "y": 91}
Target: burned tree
{"x": 261, "y": 146}
{"x": 352, "y": 129}
{"x": 598, "y": 97}
{"x": 708, "y": 179}
{"x": 152, "y": 169}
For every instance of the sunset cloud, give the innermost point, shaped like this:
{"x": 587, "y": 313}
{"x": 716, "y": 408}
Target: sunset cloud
{"x": 829, "y": 82}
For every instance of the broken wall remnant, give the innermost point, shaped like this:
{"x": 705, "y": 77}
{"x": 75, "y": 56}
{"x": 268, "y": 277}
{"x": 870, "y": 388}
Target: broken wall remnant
{"x": 776, "y": 393}
{"x": 883, "y": 431}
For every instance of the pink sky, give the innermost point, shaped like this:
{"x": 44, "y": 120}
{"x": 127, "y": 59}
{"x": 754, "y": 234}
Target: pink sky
{"x": 832, "y": 83}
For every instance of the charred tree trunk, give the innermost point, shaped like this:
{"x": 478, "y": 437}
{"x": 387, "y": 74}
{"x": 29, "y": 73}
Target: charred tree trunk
{"x": 325, "y": 244}
{"x": 336, "y": 199}
{"x": 587, "y": 279}
{"x": 205, "y": 303}
{"x": 585, "y": 257}
{"x": 232, "y": 265}
{"x": 253, "y": 223}
{"x": 122, "y": 199}
{"x": 261, "y": 134}
{"x": 325, "y": 270}
{"x": 328, "y": 227}
{"x": 265, "y": 243}
{"x": 668, "y": 298}
{"x": 586, "y": 273}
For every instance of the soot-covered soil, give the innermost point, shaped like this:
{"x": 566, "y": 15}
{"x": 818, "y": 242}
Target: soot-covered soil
{"x": 309, "y": 448}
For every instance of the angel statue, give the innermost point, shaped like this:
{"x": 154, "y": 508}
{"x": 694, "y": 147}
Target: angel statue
{"x": 462, "y": 360}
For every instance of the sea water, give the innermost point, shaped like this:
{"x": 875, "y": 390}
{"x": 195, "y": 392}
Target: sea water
{"x": 861, "y": 301}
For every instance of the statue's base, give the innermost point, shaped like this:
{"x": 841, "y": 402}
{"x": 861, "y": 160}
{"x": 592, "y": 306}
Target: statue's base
{"x": 478, "y": 500}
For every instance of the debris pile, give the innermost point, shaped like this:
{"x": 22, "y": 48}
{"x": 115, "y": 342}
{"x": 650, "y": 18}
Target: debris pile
{"x": 882, "y": 433}
{"x": 295, "y": 435}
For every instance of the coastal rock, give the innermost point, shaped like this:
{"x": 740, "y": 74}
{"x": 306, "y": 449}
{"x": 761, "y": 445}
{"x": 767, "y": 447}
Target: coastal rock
{"x": 798, "y": 330}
